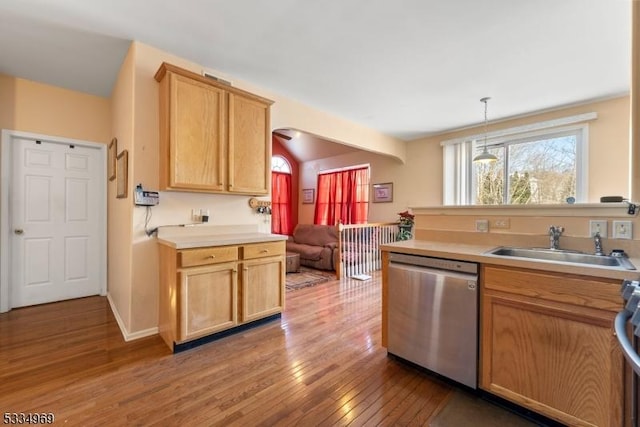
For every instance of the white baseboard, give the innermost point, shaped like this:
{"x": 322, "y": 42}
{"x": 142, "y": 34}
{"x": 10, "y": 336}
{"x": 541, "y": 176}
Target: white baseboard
{"x": 128, "y": 336}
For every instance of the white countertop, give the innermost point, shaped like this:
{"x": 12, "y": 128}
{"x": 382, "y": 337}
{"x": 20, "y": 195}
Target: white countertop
{"x": 476, "y": 253}
{"x": 187, "y": 242}
{"x": 203, "y": 236}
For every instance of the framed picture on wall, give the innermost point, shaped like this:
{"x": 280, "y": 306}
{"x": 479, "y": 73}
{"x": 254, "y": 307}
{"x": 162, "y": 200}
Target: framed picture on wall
{"x": 308, "y": 195}
{"x": 112, "y": 152}
{"x": 122, "y": 169}
{"x": 383, "y": 193}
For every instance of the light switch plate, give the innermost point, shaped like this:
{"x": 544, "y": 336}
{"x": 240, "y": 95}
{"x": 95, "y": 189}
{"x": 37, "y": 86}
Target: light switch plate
{"x": 622, "y": 230}
{"x": 598, "y": 226}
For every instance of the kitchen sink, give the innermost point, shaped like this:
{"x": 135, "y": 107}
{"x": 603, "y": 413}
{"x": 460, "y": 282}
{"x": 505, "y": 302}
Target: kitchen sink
{"x": 574, "y": 257}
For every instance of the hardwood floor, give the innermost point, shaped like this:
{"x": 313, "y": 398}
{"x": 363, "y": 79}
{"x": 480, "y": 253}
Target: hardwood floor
{"x": 321, "y": 364}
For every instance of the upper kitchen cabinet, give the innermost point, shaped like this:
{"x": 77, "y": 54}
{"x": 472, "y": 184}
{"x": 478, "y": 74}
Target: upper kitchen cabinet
{"x": 249, "y": 145}
{"x": 213, "y": 137}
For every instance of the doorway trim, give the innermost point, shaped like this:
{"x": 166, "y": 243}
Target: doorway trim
{"x": 5, "y": 190}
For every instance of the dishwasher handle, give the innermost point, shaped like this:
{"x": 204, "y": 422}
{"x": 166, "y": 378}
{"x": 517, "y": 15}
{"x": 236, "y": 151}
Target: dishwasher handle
{"x": 435, "y": 263}
{"x": 471, "y": 279}
{"x": 630, "y": 354}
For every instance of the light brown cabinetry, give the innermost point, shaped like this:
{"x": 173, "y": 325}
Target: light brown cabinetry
{"x": 249, "y": 160}
{"x": 263, "y": 273}
{"x": 547, "y": 343}
{"x": 209, "y": 300}
{"x": 200, "y": 293}
{"x": 213, "y": 137}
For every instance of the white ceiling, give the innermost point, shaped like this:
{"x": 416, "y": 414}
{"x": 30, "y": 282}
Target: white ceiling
{"x": 408, "y": 68}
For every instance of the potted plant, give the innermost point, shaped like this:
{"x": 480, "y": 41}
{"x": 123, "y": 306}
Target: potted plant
{"x": 405, "y": 225}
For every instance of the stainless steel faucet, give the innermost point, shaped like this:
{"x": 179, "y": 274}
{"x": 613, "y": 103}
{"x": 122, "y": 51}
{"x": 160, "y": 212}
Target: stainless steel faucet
{"x": 554, "y": 236}
{"x": 597, "y": 240}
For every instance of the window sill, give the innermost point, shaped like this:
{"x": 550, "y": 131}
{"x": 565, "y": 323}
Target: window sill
{"x": 578, "y": 209}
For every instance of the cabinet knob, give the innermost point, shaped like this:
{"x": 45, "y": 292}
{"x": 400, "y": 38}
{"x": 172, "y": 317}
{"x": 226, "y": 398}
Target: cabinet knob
{"x": 211, "y": 256}
{"x": 264, "y": 251}
{"x": 18, "y": 231}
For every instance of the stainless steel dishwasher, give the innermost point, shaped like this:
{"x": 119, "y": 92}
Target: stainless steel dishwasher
{"x": 433, "y": 315}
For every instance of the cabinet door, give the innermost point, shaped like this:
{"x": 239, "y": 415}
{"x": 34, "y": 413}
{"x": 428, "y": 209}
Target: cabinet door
{"x": 556, "y": 359}
{"x": 208, "y": 300}
{"x": 263, "y": 281}
{"x": 249, "y": 145}
{"x": 196, "y": 136}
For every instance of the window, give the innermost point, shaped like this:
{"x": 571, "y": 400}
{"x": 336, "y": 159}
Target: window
{"x": 281, "y": 220}
{"x": 543, "y": 166}
{"x": 343, "y": 196}
{"x": 280, "y": 164}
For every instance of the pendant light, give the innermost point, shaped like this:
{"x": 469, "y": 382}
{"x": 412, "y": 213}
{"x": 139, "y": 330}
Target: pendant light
{"x": 485, "y": 156}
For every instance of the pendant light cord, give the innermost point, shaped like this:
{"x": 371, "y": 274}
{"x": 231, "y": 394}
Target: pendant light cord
{"x": 485, "y": 100}
{"x": 485, "y": 156}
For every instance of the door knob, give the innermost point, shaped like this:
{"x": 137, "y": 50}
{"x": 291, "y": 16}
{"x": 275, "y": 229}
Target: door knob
{"x": 18, "y": 231}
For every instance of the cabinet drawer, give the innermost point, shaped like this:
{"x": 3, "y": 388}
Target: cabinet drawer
{"x": 581, "y": 291}
{"x": 260, "y": 250}
{"x": 204, "y": 256}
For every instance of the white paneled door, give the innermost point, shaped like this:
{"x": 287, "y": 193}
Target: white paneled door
{"x": 55, "y": 221}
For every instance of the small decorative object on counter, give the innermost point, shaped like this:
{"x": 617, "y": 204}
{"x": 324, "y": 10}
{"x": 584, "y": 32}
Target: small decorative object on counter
{"x": 405, "y": 224}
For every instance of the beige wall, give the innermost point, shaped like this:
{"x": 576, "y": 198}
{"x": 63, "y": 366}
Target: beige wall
{"x": 175, "y": 207}
{"x": 7, "y": 101}
{"x": 635, "y": 101}
{"x": 527, "y": 226}
{"x": 419, "y": 182}
{"x": 35, "y": 107}
{"x": 608, "y": 152}
{"x": 119, "y": 230}
{"x": 383, "y": 169}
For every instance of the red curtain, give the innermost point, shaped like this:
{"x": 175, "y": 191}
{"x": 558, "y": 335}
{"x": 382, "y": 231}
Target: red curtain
{"x": 343, "y": 196}
{"x": 281, "y": 203}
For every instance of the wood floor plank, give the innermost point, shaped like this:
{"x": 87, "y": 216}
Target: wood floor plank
{"x": 321, "y": 364}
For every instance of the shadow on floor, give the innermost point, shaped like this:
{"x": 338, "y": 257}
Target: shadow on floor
{"x": 464, "y": 409}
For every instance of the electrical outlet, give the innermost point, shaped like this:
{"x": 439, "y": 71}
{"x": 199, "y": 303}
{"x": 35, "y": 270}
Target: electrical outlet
{"x": 622, "y": 230}
{"x": 204, "y": 215}
{"x": 501, "y": 223}
{"x": 596, "y": 226}
{"x": 482, "y": 225}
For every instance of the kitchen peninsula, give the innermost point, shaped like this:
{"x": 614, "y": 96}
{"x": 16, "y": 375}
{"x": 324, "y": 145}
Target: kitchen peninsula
{"x": 546, "y": 340}
{"x": 217, "y": 280}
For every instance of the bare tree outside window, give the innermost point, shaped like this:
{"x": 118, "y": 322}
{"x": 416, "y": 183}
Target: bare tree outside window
{"x": 539, "y": 171}
{"x": 490, "y": 181}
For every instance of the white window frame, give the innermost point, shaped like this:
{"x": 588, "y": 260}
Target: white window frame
{"x": 458, "y": 176}
{"x": 285, "y": 162}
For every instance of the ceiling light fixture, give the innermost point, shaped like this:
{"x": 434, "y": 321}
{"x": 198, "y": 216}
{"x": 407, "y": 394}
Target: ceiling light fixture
{"x": 485, "y": 156}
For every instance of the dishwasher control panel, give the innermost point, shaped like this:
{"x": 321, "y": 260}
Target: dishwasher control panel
{"x": 439, "y": 263}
